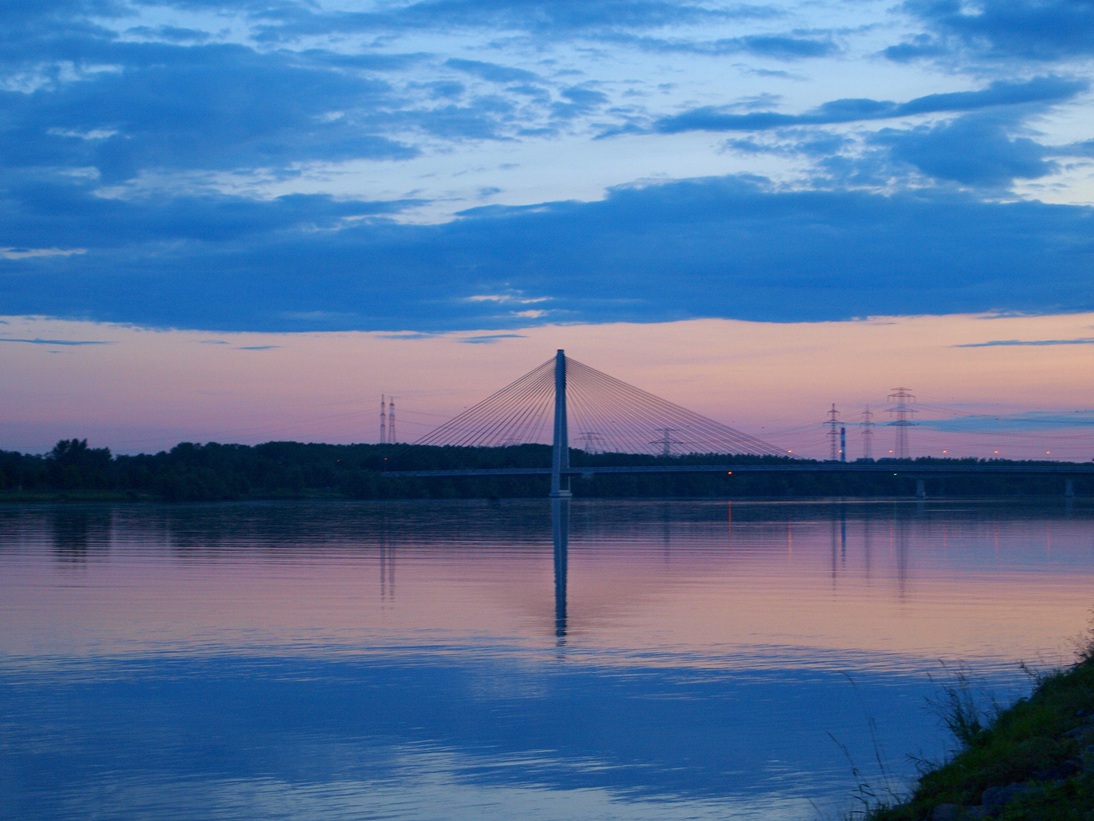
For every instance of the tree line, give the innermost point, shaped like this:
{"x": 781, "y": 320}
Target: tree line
{"x": 223, "y": 472}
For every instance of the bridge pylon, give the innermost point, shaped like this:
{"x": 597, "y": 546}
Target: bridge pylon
{"x": 560, "y": 460}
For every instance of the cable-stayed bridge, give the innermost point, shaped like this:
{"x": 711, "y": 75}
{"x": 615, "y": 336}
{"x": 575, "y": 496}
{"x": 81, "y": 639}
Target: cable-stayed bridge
{"x": 564, "y": 401}
{"x": 602, "y": 414}
{"x": 608, "y": 415}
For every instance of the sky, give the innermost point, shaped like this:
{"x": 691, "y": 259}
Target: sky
{"x": 246, "y": 221}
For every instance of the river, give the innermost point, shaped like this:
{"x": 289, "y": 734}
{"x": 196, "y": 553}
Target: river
{"x": 592, "y": 659}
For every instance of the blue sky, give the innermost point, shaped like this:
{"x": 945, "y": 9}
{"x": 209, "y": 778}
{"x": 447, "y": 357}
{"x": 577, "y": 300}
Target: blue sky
{"x": 308, "y": 165}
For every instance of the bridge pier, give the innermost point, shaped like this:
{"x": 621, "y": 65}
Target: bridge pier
{"x": 1069, "y": 488}
{"x": 920, "y": 489}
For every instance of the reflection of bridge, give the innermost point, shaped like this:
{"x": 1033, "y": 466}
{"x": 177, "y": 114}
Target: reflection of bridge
{"x": 620, "y": 418}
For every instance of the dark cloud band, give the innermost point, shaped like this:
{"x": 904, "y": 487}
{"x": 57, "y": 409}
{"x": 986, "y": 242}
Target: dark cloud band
{"x": 725, "y": 247}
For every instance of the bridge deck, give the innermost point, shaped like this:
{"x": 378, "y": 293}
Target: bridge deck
{"x": 903, "y": 469}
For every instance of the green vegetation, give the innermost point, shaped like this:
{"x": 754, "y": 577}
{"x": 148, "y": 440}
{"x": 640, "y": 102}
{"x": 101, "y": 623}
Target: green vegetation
{"x": 1034, "y": 760}
{"x": 215, "y": 472}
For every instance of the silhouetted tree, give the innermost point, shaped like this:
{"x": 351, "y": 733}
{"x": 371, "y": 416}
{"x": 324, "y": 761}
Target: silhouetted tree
{"x": 72, "y": 465}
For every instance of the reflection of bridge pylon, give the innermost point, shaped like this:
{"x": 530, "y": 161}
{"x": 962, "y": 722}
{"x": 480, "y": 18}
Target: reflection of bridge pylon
{"x": 560, "y": 526}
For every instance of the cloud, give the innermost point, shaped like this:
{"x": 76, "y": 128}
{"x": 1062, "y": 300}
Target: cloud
{"x": 775, "y": 47}
{"x": 30, "y": 253}
{"x": 171, "y": 33}
{"x": 1030, "y": 29}
{"x": 973, "y": 150}
{"x": 491, "y": 71}
{"x": 722, "y": 247}
{"x": 920, "y": 47}
{"x": 507, "y": 298}
{"x": 1086, "y": 340}
{"x": 1011, "y": 423}
{"x": 817, "y": 143}
{"x": 38, "y": 210}
{"x": 578, "y": 101}
{"x": 106, "y": 100}
{"x": 546, "y": 19}
{"x": 205, "y": 107}
{"x": 490, "y": 339}
{"x": 1079, "y": 149}
{"x": 94, "y": 87}
{"x": 1039, "y": 90}
{"x": 67, "y": 342}
{"x": 409, "y": 335}
{"x": 77, "y": 94}
{"x": 783, "y": 47}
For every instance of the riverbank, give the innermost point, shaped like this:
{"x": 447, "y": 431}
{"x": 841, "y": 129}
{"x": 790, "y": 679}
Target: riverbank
{"x": 213, "y": 472}
{"x": 1033, "y": 760}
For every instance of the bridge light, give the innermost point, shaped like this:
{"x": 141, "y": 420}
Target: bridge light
{"x": 729, "y": 473}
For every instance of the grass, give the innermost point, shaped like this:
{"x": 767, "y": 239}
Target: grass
{"x": 1033, "y": 760}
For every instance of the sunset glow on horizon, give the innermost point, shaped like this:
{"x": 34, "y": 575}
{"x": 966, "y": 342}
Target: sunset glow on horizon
{"x": 978, "y": 391}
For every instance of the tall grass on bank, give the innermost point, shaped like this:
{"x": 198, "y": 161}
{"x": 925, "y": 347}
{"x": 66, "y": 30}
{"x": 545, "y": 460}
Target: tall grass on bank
{"x": 1032, "y": 760}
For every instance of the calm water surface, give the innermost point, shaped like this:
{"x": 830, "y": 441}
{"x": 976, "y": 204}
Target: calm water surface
{"x": 605, "y": 660}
